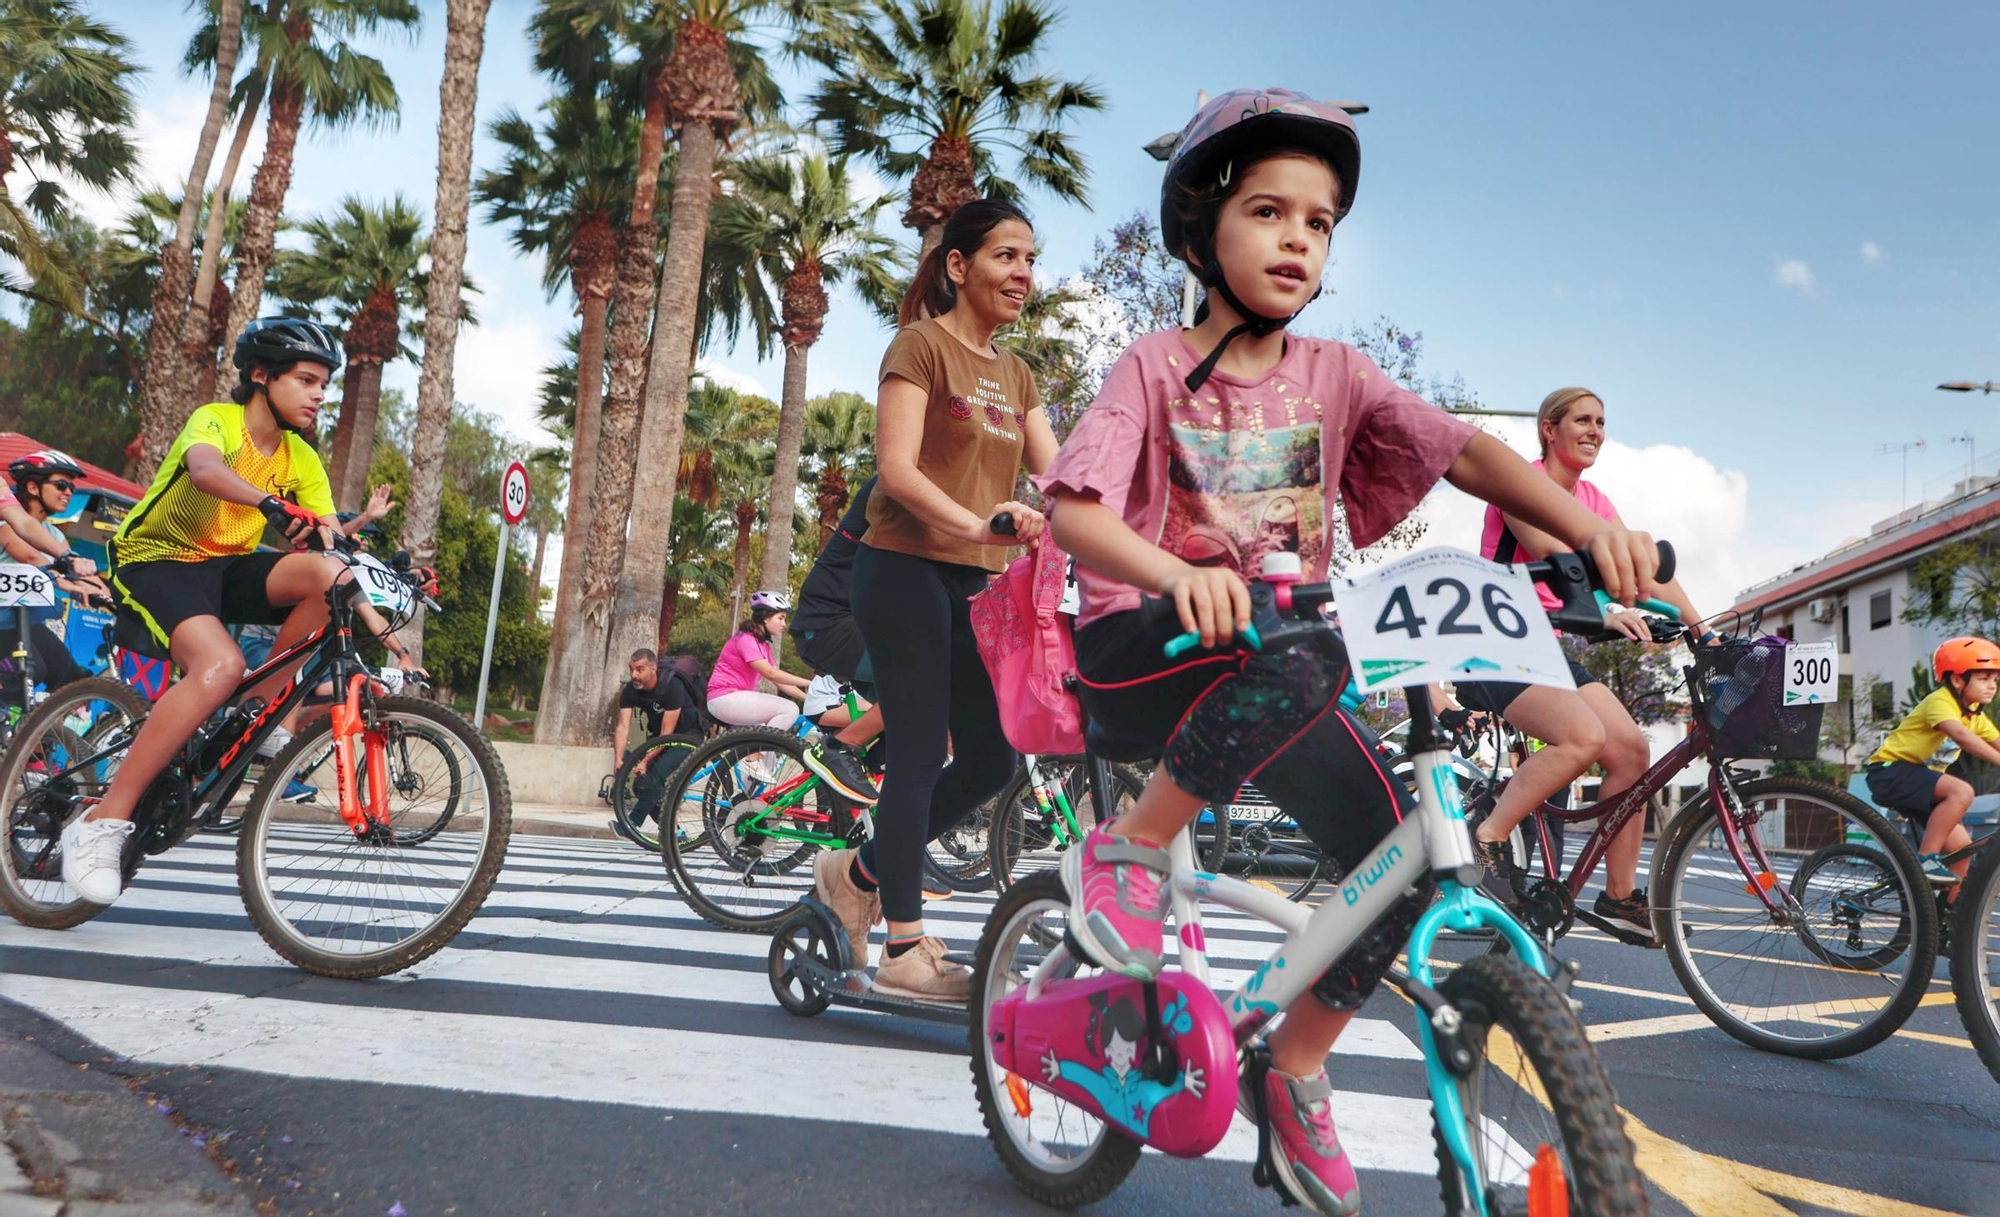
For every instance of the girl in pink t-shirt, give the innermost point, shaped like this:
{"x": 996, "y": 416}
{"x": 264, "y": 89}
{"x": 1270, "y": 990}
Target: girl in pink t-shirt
{"x": 1581, "y": 728}
{"x": 732, "y": 684}
{"x": 1207, "y": 449}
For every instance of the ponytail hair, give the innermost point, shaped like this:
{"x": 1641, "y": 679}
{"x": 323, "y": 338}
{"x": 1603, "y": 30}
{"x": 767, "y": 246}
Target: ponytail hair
{"x": 931, "y": 292}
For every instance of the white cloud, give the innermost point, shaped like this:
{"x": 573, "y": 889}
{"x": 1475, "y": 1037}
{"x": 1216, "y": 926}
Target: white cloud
{"x": 498, "y": 368}
{"x": 730, "y": 378}
{"x": 1872, "y": 255}
{"x": 1794, "y": 272}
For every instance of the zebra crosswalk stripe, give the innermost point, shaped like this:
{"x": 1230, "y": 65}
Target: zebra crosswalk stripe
{"x": 584, "y": 977}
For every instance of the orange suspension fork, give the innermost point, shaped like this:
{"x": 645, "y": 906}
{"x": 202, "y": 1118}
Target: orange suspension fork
{"x": 348, "y": 723}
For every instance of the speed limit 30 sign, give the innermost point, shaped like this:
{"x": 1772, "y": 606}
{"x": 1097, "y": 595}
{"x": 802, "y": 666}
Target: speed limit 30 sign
{"x": 514, "y": 493}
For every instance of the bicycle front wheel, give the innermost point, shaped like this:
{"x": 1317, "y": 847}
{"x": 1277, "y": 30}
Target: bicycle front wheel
{"x": 1538, "y": 1108}
{"x": 1975, "y": 954}
{"x": 1823, "y": 946}
{"x": 355, "y": 905}
{"x": 638, "y": 797}
{"x": 754, "y": 816}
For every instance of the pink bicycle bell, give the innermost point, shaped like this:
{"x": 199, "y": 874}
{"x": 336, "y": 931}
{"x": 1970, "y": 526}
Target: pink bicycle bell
{"x": 1087, "y": 1042}
{"x": 1281, "y": 570}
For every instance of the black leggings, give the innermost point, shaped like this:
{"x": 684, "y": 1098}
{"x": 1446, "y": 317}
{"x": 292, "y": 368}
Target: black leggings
{"x": 914, "y": 616}
{"x": 1223, "y": 718}
{"x": 54, "y": 665}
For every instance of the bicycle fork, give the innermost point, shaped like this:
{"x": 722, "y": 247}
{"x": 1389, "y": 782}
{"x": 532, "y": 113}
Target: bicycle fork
{"x": 348, "y": 722}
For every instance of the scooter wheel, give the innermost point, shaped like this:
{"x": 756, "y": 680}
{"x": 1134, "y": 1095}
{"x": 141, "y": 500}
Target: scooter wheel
{"x": 807, "y": 946}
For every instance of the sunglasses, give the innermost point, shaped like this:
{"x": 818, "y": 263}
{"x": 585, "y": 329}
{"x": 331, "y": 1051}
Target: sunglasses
{"x": 63, "y": 485}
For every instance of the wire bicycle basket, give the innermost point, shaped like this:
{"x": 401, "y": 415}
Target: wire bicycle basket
{"x": 1761, "y": 727}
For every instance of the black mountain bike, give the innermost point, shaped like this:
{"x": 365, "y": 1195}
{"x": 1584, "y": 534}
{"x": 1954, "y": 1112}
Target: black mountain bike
{"x": 370, "y": 885}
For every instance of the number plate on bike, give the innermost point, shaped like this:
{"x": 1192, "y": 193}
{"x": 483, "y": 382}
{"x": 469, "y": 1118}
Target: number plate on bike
{"x": 1254, "y": 813}
{"x": 1812, "y": 673}
{"x": 23, "y": 586}
{"x": 384, "y": 588}
{"x": 1444, "y": 614}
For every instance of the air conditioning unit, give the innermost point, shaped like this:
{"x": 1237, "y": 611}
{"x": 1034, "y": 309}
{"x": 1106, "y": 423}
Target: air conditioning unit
{"x": 1826, "y": 608}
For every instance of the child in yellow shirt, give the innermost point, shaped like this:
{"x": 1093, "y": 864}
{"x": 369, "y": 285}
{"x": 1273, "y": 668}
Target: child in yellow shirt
{"x": 1907, "y": 772}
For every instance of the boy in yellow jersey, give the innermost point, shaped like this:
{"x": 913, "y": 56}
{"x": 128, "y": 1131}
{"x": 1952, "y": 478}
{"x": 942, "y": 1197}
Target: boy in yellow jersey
{"x": 184, "y": 562}
{"x": 1907, "y": 772}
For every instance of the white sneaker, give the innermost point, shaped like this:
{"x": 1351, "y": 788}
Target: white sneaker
{"x": 274, "y": 743}
{"x": 90, "y": 858}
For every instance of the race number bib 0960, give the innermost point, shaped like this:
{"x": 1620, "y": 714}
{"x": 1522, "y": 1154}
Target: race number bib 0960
{"x": 383, "y": 587}
{"x": 1812, "y": 673}
{"x": 23, "y": 586}
{"x": 1444, "y": 614}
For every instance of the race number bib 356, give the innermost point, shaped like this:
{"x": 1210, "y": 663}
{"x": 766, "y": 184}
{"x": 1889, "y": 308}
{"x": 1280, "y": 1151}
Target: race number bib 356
{"x": 1444, "y": 614}
{"x": 23, "y": 586}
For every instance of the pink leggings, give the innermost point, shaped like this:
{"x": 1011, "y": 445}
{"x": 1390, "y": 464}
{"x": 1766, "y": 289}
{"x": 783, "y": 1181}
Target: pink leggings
{"x": 749, "y": 708}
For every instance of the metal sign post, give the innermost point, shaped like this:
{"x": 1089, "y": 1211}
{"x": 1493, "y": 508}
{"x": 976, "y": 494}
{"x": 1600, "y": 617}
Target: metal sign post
{"x": 513, "y": 508}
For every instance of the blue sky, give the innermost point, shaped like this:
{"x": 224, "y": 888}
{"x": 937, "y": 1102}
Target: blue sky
{"x": 1762, "y": 233}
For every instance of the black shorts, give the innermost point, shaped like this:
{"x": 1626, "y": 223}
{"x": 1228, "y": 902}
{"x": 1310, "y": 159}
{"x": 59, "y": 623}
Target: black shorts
{"x": 1494, "y": 696}
{"x": 161, "y": 595}
{"x": 1901, "y": 786}
{"x": 838, "y": 650}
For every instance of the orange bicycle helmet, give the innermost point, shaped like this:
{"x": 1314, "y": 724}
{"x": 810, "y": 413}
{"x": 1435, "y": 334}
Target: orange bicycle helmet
{"x": 1962, "y": 655}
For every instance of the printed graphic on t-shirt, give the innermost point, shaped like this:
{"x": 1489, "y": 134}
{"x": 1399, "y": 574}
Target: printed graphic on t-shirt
{"x": 1234, "y": 496}
{"x": 988, "y": 402}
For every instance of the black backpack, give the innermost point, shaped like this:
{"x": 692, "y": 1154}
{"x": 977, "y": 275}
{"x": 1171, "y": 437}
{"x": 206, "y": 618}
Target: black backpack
{"x": 693, "y": 677}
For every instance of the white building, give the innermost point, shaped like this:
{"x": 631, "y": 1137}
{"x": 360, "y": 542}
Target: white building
{"x": 1859, "y": 596}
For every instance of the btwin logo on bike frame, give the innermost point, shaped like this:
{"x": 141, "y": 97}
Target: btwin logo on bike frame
{"x": 1352, "y": 890}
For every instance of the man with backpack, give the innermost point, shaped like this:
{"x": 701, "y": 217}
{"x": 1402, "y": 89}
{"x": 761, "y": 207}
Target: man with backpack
{"x": 669, "y": 707}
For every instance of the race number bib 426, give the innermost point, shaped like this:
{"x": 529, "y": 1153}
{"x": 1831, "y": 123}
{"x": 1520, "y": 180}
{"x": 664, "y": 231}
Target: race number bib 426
{"x": 1445, "y": 614}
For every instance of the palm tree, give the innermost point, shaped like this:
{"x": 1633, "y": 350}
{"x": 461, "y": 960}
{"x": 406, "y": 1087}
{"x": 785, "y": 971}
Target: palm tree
{"x": 839, "y": 447}
{"x": 793, "y": 221}
{"x": 458, "y": 95}
{"x": 312, "y": 70}
{"x": 565, "y": 188}
{"x": 941, "y": 90}
{"x": 363, "y": 267}
{"x": 208, "y": 308}
{"x": 65, "y": 107}
{"x": 692, "y": 561}
{"x": 706, "y": 98}
{"x": 157, "y": 393}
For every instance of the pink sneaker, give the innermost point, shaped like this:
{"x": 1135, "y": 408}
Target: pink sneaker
{"x": 1118, "y": 901}
{"x": 1310, "y": 1160}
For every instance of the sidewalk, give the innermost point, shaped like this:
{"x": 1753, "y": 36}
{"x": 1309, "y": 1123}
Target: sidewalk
{"x": 560, "y": 820}
{"x": 75, "y": 1142}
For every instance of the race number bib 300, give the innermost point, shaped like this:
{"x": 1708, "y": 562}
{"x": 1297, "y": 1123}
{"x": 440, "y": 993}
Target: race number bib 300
{"x": 1444, "y": 614}
{"x": 1812, "y": 673}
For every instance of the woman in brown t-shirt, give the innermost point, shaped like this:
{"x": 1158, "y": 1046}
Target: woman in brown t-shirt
{"x": 955, "y": 420}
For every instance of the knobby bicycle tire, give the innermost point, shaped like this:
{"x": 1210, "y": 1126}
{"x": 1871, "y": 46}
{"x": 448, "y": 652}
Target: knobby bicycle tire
{"x": 1975, "y": 954}
{"x": 623, "y": 799}
{"x": 254, "y": 871}
{"x": 1539, "y": 1031}
{"x": 15, "y": 897}
{"x": 1688, "y": 942}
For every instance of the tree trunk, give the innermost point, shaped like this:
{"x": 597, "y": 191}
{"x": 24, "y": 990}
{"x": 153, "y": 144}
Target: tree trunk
{"x": 593, "y": 276}
{"x": 670, "y": 603}
{"x": 805, "y": 304}
{"x": 572, "y": 694}
{"x": 458, "y": 95}
{"x": 354, "y": 438}
{"x": 832, "y": 498}
{"x": 267, "y": 192}
{"x": 196, "y": 369}
{"x": 946, "y": 181}
{"x": 535, "y": 574}
{"x": 703, "y": 101}
{"x": 159, "y": 405}
{"x": 746, "y": 524}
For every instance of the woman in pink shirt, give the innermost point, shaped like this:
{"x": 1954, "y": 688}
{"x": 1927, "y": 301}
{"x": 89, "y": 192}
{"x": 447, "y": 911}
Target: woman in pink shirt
{"x": 1207, "y": 449}
{"x": 732, "y": 684}
{"x": 1577, "y": 729}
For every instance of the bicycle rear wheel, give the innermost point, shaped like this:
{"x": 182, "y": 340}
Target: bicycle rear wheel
{"x": 1852, "y": 944}
{"x": 962, "y": 857}
{"x": 355, "y": 906}
{"x": 755, "y": 816}
{"x": 61, "y": 760}
{"x": 1975, "y": 954}
{"x": 1537, "y": 1104}
{"x": 638, "y": 800}
{"x": 1270, "y": 850}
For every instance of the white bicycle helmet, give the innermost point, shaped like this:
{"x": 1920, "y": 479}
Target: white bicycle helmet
{"x": 777, "y": 602}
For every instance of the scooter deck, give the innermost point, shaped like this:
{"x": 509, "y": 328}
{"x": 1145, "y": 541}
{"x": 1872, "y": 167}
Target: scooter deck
{"x": 857, "y": 989}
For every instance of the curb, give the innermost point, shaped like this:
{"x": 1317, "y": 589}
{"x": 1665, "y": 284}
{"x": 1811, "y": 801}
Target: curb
{"x": 77, "y": 1141}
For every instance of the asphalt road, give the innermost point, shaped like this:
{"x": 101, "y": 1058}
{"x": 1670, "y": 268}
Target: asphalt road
{"x": 590, "y": 1046}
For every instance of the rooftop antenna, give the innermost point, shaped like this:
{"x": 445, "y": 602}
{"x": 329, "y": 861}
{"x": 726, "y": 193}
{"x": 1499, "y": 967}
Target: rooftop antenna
{"x": 1971, "y": 450}
{"x": 1902, "y": 450}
